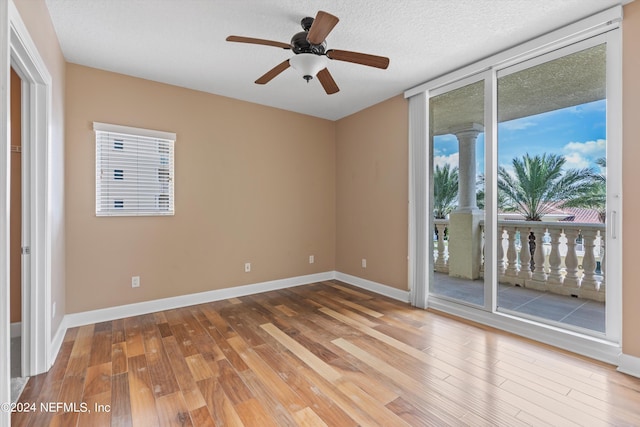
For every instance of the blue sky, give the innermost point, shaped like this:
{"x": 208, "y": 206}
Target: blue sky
{"x": 578, "y": 133}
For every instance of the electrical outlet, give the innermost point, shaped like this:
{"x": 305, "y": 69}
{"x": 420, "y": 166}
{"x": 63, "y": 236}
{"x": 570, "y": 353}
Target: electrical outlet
{"x": 364, "y": 263}
{"x": 247, "y": 267}
{"x": 311, "y": 259}
{"x": 135, "y": 282}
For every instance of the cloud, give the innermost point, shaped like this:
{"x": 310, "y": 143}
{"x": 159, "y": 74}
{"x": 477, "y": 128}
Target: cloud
{"x": 576, "y": 161}
{"x": 597, "y": 148}
{"x": 451, "y": 159}
{"x": 583, "y": 154}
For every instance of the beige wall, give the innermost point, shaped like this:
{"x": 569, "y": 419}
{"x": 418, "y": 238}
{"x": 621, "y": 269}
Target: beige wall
{"x": 252, "y": 184}
{"x": 36, "y": 17}
{"x": 630, "y": 178}
{"x": 16, "y": 199}
{"x": 372, "y": 193}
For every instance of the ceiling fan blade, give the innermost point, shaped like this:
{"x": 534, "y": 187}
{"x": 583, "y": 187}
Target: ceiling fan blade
{"x": 251, "y": 40}
{"x": 321, "y": 27}
{"x": 358, "y": 58}
{"x": 327, "y": 82}
{"x": 269, "y": 75}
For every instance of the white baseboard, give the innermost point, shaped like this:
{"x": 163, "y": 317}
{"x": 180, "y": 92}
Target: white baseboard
{"x": 629, "y": 365}
{"x": 119, "y": 312}
{"x": 388, "y": 291}
{"x": 56, "y": 342}
{"x": 16, "y": 329}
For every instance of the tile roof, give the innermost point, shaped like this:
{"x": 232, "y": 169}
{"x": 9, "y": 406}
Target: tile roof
{"x": 582, "y": 215}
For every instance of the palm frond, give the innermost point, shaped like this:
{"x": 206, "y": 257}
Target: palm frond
{"x": 445, "y": 190}
{"x": 538, "y": 184}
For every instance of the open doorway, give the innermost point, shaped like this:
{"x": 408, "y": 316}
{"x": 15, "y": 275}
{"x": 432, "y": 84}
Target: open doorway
{"x": 17, "y": 377}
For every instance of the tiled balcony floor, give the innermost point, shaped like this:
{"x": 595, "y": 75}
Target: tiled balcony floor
{"x": 572, "y": 311}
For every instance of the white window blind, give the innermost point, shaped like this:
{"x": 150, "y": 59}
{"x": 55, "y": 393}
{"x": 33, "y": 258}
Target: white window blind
{"x": 134, "y": 171}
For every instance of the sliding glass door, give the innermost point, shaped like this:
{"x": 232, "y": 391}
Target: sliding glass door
{"x": 522, "y": 199}
{"x": 551, "y": 204}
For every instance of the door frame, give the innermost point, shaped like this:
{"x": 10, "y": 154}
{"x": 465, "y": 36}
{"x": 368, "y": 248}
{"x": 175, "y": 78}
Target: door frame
{"x": 18, "y": 50}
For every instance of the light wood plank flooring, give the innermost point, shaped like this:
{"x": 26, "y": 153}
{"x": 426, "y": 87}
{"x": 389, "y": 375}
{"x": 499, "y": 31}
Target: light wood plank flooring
{"x": 325, "y": 354}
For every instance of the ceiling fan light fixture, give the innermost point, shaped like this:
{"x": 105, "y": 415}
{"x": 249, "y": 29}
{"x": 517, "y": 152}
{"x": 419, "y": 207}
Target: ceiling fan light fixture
{"x": 308, "y": 64}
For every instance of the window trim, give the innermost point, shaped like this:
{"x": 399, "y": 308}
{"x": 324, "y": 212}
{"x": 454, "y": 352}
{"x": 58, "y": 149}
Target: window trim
{"x": 149, "y": 133}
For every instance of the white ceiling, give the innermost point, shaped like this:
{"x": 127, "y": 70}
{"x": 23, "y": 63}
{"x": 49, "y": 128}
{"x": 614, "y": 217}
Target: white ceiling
{"x": 182, "y": 42}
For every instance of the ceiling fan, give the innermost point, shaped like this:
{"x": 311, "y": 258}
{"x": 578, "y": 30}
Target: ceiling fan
{"x": 309, "y": 47}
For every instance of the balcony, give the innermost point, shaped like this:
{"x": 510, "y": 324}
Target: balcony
{"x": 549, "y": 270}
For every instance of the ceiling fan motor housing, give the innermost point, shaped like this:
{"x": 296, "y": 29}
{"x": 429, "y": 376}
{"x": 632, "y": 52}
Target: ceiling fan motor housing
{"x": 300, "y": 44}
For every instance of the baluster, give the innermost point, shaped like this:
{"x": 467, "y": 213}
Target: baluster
{"x": 532, "y": 247}
{"x": 571, "y": 279}
{"x": 501, "y": 264}
{"x": 525, "y": 255}
{"x": 512, "y": 253}
{"x": 538, "y": 275}
{"x": 555, "y": 261}
{"x": 589, "y": 280}
{"x": 441, "y": 264}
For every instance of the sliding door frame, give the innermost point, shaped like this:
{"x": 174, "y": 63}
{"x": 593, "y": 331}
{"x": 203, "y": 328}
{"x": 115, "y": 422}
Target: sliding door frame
{"x": 604, "y": 24}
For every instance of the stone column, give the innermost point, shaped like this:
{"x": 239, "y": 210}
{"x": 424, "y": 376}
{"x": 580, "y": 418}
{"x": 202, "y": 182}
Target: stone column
{"x": 467, "y": 166}
{"x": 464, "y": 222}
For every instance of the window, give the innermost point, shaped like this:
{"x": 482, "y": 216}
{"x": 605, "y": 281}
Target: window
{"x": 134, "y": 171}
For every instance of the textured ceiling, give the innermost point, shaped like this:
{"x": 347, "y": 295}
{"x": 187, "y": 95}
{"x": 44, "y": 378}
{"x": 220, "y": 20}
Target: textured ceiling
{"x": 182, "y": 42}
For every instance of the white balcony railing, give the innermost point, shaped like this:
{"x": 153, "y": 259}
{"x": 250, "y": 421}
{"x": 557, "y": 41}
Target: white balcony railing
{"x": 560, "y": 257}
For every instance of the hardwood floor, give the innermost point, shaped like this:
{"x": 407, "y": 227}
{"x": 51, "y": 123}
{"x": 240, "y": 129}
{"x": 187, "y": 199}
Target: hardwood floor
{"x": 325, "y": 354}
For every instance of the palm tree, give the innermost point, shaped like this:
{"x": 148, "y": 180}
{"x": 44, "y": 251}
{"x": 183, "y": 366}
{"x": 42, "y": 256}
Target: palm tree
{"x": 596, "y": 197}
{"x": 445, "y": 190}
{"x": 538, "y": 184}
